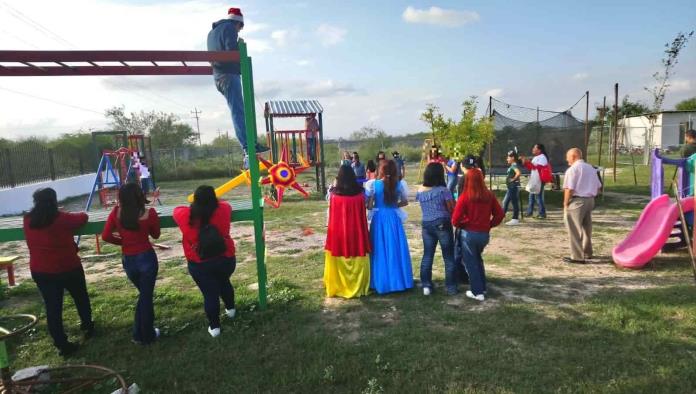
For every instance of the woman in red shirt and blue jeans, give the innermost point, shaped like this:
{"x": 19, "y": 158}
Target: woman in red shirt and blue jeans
{"x": 55, "y": 265}
{"x": 476, "y": 212}
{"x": 207, "y": 215}
{"x": 131, "y": 226}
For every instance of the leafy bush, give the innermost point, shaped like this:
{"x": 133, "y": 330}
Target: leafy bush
{"x": 215, "y": 167}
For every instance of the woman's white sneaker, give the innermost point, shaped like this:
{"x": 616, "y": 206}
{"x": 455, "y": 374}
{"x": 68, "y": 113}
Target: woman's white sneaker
{"x": 471, "y": 295}
{"x": 214, "y": 332}
{"x": 231, "y": 313}
{"x": 426, "y": 291}
{"x": 513, "y": 222}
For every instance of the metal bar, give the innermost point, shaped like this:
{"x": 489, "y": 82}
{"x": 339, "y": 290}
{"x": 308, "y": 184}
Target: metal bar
{"x": 321, "y": 154}
{"x": 250, "y": 117}
{"x": 105, "y": 70}
{"x": 587, "y": 123}
{"x": 616, "y": 122}
{"x": 117, "y": 56}
{"x": 31, "y": 66}
{"x": 602, "y": 113}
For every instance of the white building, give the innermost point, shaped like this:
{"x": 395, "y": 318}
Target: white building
{"x": 667, "y": 134}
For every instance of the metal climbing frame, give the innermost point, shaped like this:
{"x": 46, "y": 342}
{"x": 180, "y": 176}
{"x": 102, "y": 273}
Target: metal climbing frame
{"x": 80, "y": 63}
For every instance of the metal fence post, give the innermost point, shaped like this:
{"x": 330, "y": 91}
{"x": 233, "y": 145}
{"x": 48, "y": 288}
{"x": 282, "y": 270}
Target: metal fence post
{"x": 10, "y": 174}
{"x": 51, "y": 165}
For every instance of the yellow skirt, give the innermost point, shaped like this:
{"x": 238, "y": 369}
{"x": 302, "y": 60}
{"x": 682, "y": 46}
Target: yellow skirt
{"x": 346, "y": 277}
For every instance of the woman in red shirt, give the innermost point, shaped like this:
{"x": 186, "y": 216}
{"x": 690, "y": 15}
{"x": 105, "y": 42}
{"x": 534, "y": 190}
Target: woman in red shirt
{"x": 209, "y": 249}
{"x": 476, "y": 212}
{"x": 55, "y": 265}
{"x": 130, "y": 225}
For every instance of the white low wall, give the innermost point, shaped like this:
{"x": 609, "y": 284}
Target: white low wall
{"x": 18, "y": 199}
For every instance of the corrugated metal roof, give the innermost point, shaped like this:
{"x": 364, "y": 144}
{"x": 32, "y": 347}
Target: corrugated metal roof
{"x": 293, "y": 107}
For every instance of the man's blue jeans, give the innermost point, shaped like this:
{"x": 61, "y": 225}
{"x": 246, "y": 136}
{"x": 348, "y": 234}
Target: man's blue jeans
{"x": 439, "y": 230}
{"x": 538, "y": 198}
{"x": 311, "y": 148}
{"x": 512, "y": 196}
{"x": 473, "y": 244}
{"x": 142, "y": 271}
{"x": 230, "y": 85}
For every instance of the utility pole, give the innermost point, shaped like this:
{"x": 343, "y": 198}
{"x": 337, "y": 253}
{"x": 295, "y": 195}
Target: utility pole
{"x": 195, "y": 114}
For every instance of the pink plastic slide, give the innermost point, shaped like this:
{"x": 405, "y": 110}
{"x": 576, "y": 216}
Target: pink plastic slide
{"x": 650, "y": 233}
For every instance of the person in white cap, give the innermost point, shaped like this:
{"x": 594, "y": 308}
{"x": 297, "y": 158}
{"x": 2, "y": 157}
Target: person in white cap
{"x": 223, "y": 37}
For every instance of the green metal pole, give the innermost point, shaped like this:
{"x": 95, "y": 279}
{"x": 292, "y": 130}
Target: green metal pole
{"x": 250, "y": 118}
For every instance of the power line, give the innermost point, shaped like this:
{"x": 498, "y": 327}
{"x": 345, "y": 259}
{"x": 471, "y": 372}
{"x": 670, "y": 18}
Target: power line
{"x": 35, "y": 25}
{"x": 51, "y": 101}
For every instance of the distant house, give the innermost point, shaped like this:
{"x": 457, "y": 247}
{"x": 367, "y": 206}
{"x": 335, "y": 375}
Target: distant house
{"x": 667, "y": 134}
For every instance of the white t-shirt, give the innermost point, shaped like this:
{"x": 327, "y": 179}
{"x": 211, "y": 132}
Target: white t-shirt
{"x": 144, "y": 172}
{"x": 540, "y": 160}
{"x": 582, "y": 179}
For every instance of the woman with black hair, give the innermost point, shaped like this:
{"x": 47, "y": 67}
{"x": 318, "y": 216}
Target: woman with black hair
{"x": 131, "y": 225}
{"x": 390, "y": 261}
{"x": 512, "y": 181}
{"x": 539, "y": 163}
{"x": 436, "y": 204}
{"x": 209, "y": 249}
{"x": 55, "y": 265}
{"x": 347, "y": 246}
{"x": 371, "y": 172}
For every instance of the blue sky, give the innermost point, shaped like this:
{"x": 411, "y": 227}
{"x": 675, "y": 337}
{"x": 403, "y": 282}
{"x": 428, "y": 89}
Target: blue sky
{"x": 368, "y": 62}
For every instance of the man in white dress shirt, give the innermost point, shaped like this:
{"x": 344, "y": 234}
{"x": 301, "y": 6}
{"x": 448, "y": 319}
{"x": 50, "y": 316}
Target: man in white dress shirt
{"x": 580, "y": 185}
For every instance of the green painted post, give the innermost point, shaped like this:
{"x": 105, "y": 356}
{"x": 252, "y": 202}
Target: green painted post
{"x": 250, "y": 118}
{"x": 4, "y": 359}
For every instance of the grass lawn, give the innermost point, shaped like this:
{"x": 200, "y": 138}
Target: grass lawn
{"x": 546, "y": 327}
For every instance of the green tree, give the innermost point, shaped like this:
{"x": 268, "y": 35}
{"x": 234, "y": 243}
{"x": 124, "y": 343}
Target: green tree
{"x": 167, "y": 133}
{"x": 133, "y": 123}
{"x": 469, "y": 135}
{"x": 626, "y": 108}
{"x": 687, "y": 105}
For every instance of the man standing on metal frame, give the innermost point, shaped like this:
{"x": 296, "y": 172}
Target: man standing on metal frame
{"x": 223, "y": 37}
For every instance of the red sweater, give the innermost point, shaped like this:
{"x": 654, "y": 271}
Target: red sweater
{"x": 477, "y": 216}
{"x": 220, "y": 220}
{"x": 132, "y": 241}
{"x": 52, "y": 249}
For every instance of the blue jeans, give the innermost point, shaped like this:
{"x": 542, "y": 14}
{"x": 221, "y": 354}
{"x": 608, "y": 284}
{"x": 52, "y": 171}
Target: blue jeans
{"x": 145, "y": 184}
{"x": 439, "y": 230}
{"x": 142, "y": 269}
{"x": 52, "y": 288}
{"x": 512, "y": 196}
{"x": 452, "y": 184}
{"x": 473, "y": 244}
{"x": 213, "y": 279}
{"x": 312, "y": 148}
{"x": 230, "y": 85}
{"x": 537, "y": 198}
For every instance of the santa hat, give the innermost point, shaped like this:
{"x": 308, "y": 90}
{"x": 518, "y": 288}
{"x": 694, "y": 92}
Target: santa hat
{"x": 235, "y": 14}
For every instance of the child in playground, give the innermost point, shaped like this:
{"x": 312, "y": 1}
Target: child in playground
{"x": 452, "y": 167}
{"x": 131, "y": 225}
{"x": 689, "y": 144}
{"x": 347, "y": 246}
{"x": 358, "y": 167}
{"x": 476, "y": 212}
{"x": 390, "y": 261}
{"x": 209, "y": 249}
{"x": 436, "y": 204}
{"x": 55, "y": 265}
{"x": 347, "y": 160}
{"x": 145, "y": 180}
{"x": 312, "y": 127}
{"x": 512, "y": 181}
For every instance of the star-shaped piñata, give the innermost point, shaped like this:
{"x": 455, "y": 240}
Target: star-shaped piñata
{"x": 281, "y": 175}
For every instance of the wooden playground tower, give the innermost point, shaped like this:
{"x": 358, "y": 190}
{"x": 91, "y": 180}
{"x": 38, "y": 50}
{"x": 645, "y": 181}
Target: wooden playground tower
{"x": 103, "y": 63}
{"x": 296, "y": 140}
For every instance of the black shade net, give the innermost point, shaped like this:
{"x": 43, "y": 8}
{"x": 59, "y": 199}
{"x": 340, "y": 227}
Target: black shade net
{"x": 521, "y": 128}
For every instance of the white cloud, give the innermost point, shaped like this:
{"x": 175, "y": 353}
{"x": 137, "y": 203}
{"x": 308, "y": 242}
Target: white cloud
{"x": 257, "y": 46}
{"x": 680, "y": 85}
{"x": 439, "y": 16}
{"x": 496, "y": 92}
{"x": 303, "y": 62}
{"x": 251, "y": 27}
{"x": 330, "y": 35}
{"x": 302, "y": 88}
{"x": 284, "y": 38}
{"x": 580, "y": 76}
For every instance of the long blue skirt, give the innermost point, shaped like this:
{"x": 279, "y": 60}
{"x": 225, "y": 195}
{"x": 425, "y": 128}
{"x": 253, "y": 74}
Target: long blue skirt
{"x": 390, "y": 261}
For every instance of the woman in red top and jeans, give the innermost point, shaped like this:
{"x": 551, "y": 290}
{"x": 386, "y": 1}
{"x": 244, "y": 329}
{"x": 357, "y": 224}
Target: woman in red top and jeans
{"x": 130, "y": 225}
{"x": 476, "y": 212}
{"x": 55, "y": 265}
{"x": 212, "y": 275}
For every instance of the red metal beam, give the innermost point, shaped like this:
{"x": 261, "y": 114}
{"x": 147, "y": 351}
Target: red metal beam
{"x": 117, "y": 56}
{"x": 103, "y": 71}
{"x": 60, "y": 58}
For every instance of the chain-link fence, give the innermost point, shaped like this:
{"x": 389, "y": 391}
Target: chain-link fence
{"x": 196, "y": 162}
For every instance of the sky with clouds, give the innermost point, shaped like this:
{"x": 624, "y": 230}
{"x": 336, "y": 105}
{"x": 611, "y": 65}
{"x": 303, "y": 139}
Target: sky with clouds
{"x": 369, "y": 63}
